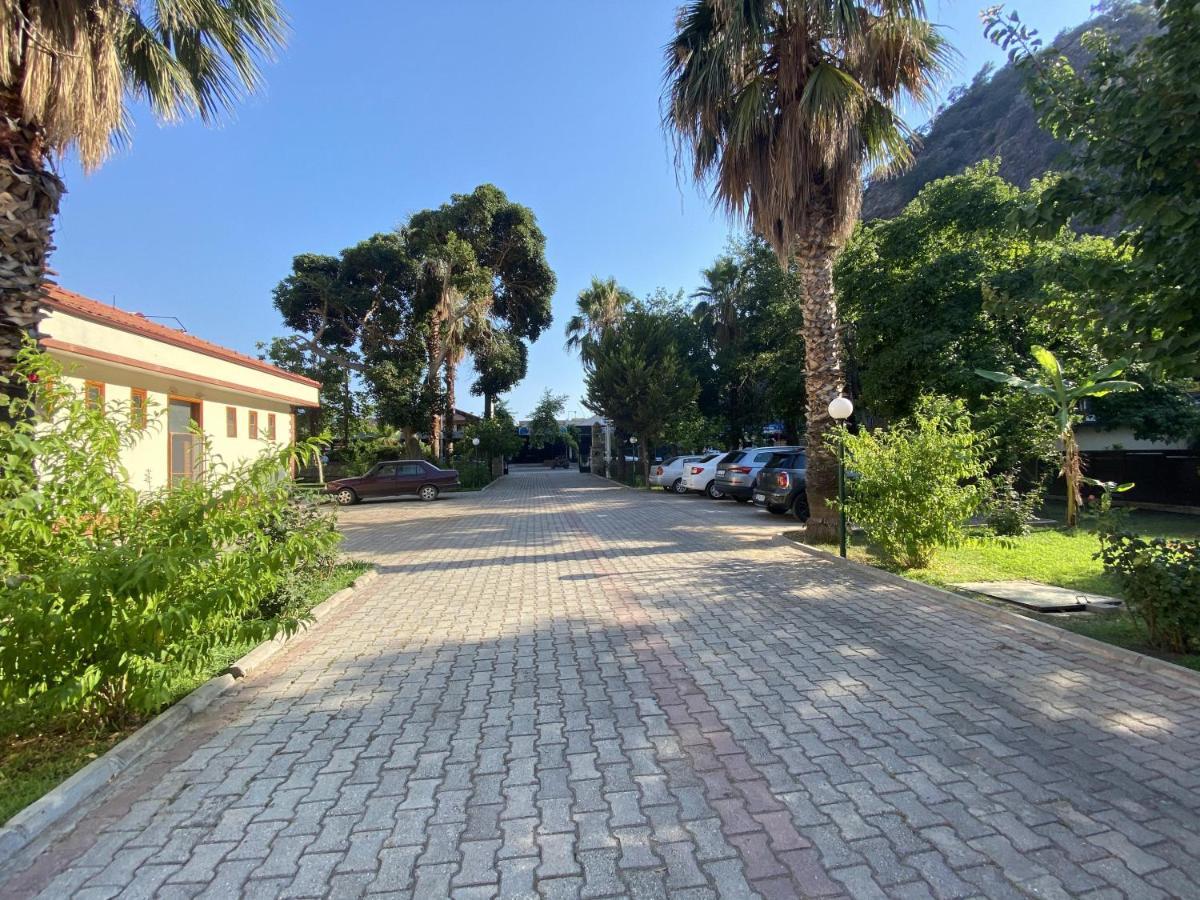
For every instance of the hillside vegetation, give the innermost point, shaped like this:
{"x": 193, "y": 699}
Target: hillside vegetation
{"x": 992, "y": 117}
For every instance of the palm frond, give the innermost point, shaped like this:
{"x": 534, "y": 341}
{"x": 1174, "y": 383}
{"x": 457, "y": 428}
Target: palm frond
{"x": 76, "y": 64}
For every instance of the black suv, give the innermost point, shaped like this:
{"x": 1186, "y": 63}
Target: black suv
{"x": 781, "y": 484}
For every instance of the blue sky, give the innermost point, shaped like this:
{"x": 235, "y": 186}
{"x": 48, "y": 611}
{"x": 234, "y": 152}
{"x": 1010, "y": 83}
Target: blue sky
{"x": 390, "y": 107}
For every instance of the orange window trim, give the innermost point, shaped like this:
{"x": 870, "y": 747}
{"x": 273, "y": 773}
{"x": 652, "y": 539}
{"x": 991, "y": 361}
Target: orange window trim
{"x": 137, "y": 407}
{"x": 98, "y": 387}
{"x": 253, "y": 425}
{"x": 230, "y": 421}
{"x": 270, "y": 426}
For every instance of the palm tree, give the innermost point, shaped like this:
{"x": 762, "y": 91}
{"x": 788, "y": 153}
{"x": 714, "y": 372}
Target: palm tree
{"x": 437, "y": 272}
{"x": 68, "y": 72}
{"x": 601, "y": 306}
{"x": 720, "y": 301}
{"x": 467, "y": 327}
{"x": 779, "y": 105}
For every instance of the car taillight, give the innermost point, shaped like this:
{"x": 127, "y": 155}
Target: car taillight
{"x": 741, "y": 470}
{"x": 658, "y": 471}
{"x": 782, "y": 480}
{"x": 696, "y": 470}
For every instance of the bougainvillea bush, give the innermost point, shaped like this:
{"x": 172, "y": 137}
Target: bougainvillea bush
{"x": 109, "y": 591}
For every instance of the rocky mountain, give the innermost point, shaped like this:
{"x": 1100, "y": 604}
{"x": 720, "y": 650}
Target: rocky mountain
{"x": 992, "y": 117}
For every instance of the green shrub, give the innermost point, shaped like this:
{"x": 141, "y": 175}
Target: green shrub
{"x": 915, "y": 485}
{"x": 1161, "y": 579}
{"x": 305, "y": 514}
{"x": 1008, "y": 512}
{"x": 108, "y": 593}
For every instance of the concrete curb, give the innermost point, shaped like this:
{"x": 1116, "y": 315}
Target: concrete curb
{"x": 489, "y": 484}
{"x": 34, "y": 819}
{"x": 1184, "y": 678}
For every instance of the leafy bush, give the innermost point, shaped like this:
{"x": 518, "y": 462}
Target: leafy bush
{"x": 916, "y": 484}
{"x": 1008, "y": 512}
{"x": 1161, "y": 579}
{"x": 107, "y": 592}
{"x": 305, "y": 514}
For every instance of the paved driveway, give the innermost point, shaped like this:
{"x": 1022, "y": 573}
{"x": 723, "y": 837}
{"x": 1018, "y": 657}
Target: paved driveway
{"x": 563, "y": 688}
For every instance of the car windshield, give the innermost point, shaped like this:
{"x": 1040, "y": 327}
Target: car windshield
{"x": 705, "y": 459}
{"x": 734, "y": 456}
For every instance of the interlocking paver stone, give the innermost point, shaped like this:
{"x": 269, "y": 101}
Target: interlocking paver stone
{"x": 563, "y": 688}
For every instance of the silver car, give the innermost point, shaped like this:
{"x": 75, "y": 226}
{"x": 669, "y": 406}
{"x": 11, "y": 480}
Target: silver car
{"x": 737, "y": 473}
{"x": 668, "y": 474}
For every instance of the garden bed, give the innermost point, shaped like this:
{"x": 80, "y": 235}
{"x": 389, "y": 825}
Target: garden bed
{"x": 39, "y": 749}
{"x": 1051, "y": 556}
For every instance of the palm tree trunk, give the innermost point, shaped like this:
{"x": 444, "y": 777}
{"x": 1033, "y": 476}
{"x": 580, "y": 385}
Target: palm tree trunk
{"x": 434, "y": 349}
{"x": 488, "y": 405}
{"x": 451, "y": 373}
{"x": 412, "y": 447}
{"x": 29, "y": 197}
{"x": 824, "y": 379}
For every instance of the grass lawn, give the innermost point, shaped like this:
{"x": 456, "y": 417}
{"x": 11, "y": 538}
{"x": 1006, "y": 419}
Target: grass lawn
{"x": 1051, "y": 556}
{"x": 39, "y": 750}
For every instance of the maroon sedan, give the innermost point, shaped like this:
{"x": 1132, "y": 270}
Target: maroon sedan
{"x": 395, "y": 479}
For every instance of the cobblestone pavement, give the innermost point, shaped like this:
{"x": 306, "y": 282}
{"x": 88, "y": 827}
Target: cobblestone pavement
{"x": 561, "y": 688}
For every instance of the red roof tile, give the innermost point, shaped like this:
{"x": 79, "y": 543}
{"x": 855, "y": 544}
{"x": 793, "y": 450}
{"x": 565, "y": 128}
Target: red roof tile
{"x": 76, "y": 304}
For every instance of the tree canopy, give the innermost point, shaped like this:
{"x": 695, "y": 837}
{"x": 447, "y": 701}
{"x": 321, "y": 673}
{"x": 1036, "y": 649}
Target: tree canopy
{"x": 1132, "y": 117}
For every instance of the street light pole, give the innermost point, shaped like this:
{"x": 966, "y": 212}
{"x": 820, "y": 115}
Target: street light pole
{"x": 840, "y": 409}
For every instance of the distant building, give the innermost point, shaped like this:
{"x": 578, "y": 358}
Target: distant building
{"x": 116, "y": 357}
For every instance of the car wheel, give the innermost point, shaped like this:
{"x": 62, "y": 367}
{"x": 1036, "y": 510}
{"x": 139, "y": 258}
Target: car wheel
{"x": 776, "y": 511}
{"x": 800, "y": 507}
{"x": 713, "y": 491}
{"x": 346, "y": 497}
{"x": 428, "y": 492}
{"x": 677, "y": 487}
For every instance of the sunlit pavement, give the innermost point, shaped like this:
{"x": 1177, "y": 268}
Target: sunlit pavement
{"x": 560, "y": 687}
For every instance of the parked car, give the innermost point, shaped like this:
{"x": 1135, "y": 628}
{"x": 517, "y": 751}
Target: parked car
{"x": 781, "y": 485}
{"x": 701, "y": 476}
{"x": 737, "y": 474}
{"x": 395, "y": 479}
{"x": 668, "y": 475}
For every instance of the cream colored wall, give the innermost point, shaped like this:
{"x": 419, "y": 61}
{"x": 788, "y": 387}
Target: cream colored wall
{"x": 1092, "y": 438}
{"x": 63, "y": 326}
{"x": 147, "y": 461}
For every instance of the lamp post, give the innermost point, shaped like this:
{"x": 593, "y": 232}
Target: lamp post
{"x": 475, "y": 444}
{"x": 840, "y": 409}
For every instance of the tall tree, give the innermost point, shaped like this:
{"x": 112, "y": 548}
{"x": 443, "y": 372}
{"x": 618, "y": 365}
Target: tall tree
{"x": 638, "y": 380}
{"x": 949, "y": 286}
{"x": 1131, "y": 118}
{"x": 779, "y": 104}
{"x": 600, "y": 307}
{"x": 544, "y": 428}
{"x": 501, "y": 368}
{"x": 484, "y": 248}
{"x": 357, "y": 311}
{"x": 467, "y": 328}
{"x": 343, "y": 405}
{"x": 68, "y": 72}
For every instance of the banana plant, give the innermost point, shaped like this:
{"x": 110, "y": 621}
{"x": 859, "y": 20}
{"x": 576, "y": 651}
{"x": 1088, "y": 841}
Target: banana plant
{"x": 1066, "y": 396}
